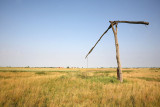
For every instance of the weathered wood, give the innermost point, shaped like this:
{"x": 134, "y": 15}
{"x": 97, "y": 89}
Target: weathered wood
{"x": 131, "y": 22}
{"x": 98, "y": 41}
{"x": 119, "y": 69}
{"x": 116, "y": 22}
{"x": 118, "y": 74}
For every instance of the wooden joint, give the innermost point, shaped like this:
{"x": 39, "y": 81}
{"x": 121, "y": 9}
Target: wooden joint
{"x": 116, "y": 44}
{"x": 110, "y": 21}
{"x": 114, "y": 22}
{"x": 130, "y": 22}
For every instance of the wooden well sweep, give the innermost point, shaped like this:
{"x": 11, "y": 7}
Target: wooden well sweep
{"x": 112, "y": 23}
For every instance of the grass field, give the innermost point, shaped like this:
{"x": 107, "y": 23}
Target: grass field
{"x": 33, "y": 87}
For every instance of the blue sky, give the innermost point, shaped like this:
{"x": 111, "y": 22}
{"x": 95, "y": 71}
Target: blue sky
{"x": 59, "y": 33}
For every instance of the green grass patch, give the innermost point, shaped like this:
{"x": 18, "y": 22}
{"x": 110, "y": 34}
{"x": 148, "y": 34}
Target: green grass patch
{"x": 63, "y": 77}
{"x": 63, "y": 71}
{"x": 103, "y": 79}
{"x": 155, "y": 69}
{"x": 149, "y": 79}
{"x": 40, "y": 73}
{"x": 127, "y": 71}
{"x": 14, "y": 71}
{"x": 4, "y": 77}
{"x": 105, "y": 72}
{"x": 99, "y": 78}
{"x": 35, "y": 71}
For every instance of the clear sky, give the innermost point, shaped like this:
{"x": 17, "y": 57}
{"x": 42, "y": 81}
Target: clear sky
{"x": 59, "y": 33}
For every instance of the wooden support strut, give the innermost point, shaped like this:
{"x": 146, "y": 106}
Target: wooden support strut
{"x": 119, "y": 69}
{"x": 97, "y": 42}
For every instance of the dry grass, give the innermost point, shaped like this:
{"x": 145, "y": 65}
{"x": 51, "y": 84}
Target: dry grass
{"x": 31, "y": 87}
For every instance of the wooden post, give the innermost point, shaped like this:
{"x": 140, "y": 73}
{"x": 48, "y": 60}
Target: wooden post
{"x": 119, "y": 69}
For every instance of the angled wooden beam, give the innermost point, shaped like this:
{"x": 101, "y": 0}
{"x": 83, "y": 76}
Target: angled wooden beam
{"x": 97, "y": 42}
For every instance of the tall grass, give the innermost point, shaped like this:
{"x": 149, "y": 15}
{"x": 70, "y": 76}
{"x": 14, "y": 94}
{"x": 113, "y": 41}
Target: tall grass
{"x": 82, "y": 87}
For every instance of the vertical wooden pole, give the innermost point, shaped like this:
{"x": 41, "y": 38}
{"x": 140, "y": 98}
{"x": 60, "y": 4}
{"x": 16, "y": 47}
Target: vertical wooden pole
{"x": 119, "y": 69}
{"x": 118, "y": 74}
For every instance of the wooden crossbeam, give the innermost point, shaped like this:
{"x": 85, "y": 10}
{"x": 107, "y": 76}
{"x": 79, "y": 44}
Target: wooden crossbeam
{"x": 130, "y": 22}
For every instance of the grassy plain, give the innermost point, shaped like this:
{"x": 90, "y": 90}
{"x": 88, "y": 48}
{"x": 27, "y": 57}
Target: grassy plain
{"x": 56, "y": 87}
